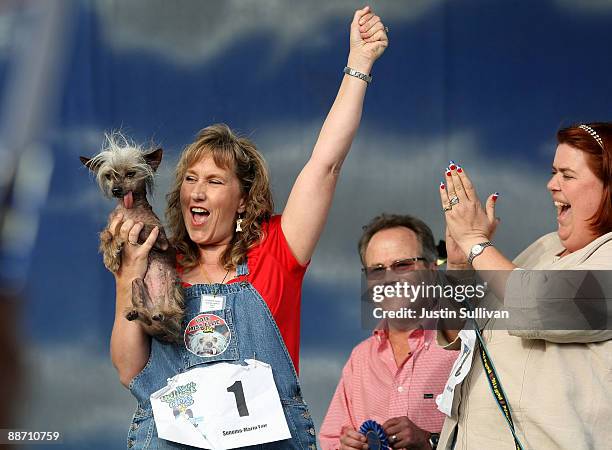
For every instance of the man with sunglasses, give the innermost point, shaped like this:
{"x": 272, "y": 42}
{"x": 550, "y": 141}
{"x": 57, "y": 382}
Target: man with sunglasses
{"x": 394, "y": 376}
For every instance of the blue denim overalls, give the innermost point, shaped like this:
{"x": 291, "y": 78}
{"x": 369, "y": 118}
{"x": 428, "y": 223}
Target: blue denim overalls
{"x": 254, "y": 335}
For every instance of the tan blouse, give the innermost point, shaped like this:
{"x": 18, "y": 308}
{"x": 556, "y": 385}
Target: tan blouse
{"x": 558, "y": 383}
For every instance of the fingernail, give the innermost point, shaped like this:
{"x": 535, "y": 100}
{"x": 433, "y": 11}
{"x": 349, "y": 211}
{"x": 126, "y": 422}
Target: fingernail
{"x": 448, "y": 173}
{"x": 495, "y": 196}
{"x": 452, "y": 166}
{"x": 442, "y": 186}
{"x": 459, "y": 169}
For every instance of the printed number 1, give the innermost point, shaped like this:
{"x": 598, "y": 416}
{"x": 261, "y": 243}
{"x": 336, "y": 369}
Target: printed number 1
{"x": 238, "y": 392}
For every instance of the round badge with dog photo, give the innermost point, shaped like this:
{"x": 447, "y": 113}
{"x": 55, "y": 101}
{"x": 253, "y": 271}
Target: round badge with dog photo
{"x": 207, "y": 335}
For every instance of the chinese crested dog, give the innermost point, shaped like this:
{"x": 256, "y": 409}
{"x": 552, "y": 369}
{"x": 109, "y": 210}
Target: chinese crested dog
{"x": 125, "y": 171}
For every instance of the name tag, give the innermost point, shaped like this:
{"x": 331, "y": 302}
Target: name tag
{"x": 460, "y": 369}
{"x": 221, "y": 406}
{"x": 212, "y": 302}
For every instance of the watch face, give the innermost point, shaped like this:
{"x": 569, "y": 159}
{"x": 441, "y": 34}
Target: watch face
{"x": 477, "y": 249}
{"x": 434, "y": 440}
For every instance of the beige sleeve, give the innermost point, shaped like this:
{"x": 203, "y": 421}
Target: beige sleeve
{"x": 565, "y": 336}
{"x": 542, "y": 294}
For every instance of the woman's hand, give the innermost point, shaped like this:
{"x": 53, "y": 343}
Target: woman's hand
{"x": 455, "y": 258}
{"x": 466, "y": 220}
{"x": 134, "y": 256}
{"x": 368, "y": 40}
{"x": 130, "y": 345}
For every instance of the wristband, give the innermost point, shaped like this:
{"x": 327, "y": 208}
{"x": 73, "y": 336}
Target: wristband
{"x": 357, "y": 74}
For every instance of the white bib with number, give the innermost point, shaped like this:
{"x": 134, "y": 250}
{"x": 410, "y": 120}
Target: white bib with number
{"x": 221, "y": 406}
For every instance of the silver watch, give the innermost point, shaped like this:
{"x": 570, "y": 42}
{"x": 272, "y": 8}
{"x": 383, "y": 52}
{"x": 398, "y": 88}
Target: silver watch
{"x": 477, "y": 250}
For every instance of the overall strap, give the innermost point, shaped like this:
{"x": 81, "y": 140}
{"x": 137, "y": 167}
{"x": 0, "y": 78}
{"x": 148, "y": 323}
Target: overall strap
{"x": 243, "y": 269}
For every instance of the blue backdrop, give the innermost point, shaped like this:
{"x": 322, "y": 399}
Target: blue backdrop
{"x": 484, "y": 83}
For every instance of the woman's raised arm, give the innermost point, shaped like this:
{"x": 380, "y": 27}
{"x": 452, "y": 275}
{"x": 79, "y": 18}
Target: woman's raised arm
{"x": 308, "y": 205}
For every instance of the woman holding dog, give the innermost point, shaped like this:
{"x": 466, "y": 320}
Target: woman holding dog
{"x": 241, "y": 265}
{"x": 557, "y": 382}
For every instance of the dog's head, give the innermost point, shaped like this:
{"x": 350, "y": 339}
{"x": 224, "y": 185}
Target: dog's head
{"x": 203, "y": 343}
{"x": 124, "y": 170}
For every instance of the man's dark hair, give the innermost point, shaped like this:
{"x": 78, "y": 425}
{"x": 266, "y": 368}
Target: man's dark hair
{"x": 386, "y": 221}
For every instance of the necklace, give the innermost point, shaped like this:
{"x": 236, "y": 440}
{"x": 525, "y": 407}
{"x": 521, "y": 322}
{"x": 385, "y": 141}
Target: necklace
{"x": 208, "y": 281}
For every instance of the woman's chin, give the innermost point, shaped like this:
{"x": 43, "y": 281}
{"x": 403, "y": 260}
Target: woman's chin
{"x": 563, "y": 232}
{"x": 206, "y": 239}
{"x": 574, "y": 240}
{"x": 198, "y": 237}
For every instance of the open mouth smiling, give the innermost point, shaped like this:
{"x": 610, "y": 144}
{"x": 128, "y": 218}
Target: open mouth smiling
{"x": 199, "y": 215}
{"x": 562, "y": 208}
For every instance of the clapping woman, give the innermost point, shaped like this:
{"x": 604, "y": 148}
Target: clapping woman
{"x": 556, "y": 382}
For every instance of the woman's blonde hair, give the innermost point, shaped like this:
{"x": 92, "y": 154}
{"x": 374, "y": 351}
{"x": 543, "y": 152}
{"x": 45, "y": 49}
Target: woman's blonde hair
{"x": 239, "y": 155}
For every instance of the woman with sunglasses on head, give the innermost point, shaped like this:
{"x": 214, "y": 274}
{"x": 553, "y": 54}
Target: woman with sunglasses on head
{"x": 556, "y": 388}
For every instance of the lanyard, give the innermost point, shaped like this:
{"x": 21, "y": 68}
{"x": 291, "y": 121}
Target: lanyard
{"x": 496, "y": 388}
{"x": 494, "y": 382}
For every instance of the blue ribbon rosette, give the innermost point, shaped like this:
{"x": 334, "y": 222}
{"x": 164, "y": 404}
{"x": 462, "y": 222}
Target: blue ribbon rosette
{"x": 376, "y": 436}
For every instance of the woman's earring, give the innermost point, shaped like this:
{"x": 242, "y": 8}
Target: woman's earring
{"x": 239, "y": 223}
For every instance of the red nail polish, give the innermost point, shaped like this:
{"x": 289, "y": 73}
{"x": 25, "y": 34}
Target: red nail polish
{"x": 448, "y": 173}
{"x": 442, "y": 186}
{"x": 452, "y": 167}
{"x": 459, "y": 170}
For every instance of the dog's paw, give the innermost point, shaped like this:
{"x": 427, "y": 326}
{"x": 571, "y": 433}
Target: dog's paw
{"x": 131, "y": 315}
{"x": 106, "y": 236}
{"x": 161, "y": 245}
{"x": 112, "y": 262}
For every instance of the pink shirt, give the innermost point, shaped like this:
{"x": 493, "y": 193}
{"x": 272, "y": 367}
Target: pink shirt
{"x": 374, "y": 387}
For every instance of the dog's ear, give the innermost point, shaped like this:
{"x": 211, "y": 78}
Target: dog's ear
{"x": 154, "y": 158}
{"x": 87, "y": 162}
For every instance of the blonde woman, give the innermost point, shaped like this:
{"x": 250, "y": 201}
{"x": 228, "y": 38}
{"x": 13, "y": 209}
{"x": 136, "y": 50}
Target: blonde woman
{"x": 239, "y": 262}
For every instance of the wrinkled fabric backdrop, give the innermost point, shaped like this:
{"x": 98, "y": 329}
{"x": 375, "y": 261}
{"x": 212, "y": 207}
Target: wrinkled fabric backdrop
{"x": 484, "y": 83}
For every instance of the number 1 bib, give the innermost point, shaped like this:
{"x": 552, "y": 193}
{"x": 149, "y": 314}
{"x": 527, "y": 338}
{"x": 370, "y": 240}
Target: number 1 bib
{"x": 221, "y": 406}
